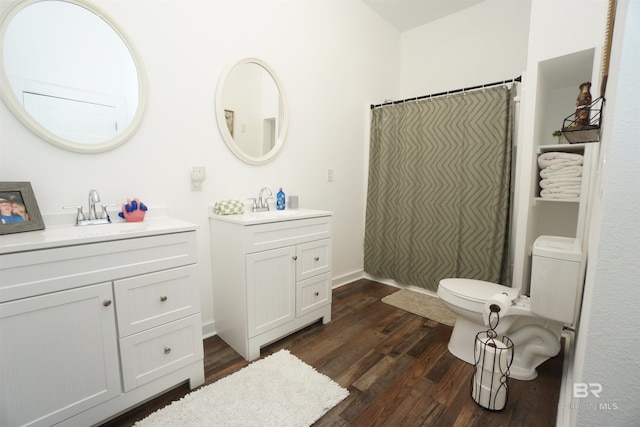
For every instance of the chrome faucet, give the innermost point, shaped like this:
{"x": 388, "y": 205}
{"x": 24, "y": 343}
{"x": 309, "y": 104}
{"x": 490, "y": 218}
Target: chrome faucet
{"x": 261, "y": 203}
{"x": 94, "y": 198}
{"x": 93, "y": 217}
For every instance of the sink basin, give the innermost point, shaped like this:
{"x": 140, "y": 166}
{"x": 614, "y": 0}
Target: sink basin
{"x": 273, "y": 214}
{"x": 248, "y": 218}
{"x": 92, "y": 231}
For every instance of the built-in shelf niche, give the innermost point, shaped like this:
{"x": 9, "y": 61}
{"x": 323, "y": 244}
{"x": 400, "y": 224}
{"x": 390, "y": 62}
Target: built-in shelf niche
{"x": 558, "y": 87}
{"x": 566, "y": 148}
{"x": 557, "y": 217}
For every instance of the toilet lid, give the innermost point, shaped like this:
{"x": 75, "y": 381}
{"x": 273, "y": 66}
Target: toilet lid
{"x": 475, "y": 290}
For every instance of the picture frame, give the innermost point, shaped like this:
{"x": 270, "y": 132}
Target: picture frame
{"x": 228, "y": 116}
{"x": 18, "y": 208}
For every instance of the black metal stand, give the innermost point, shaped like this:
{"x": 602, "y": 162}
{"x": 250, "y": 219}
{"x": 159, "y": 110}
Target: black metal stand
{"x": 493, "y": 358}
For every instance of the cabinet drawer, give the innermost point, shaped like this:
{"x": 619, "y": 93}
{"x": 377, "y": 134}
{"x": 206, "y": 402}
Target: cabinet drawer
{"x": 313, "y": 258}
{"x": 278, "y": 234}
{"x": 313, "y": 293}
{"x": 150, "y": 300}
{"x": 25, "y": 274}
{"x": 149, "y": 355}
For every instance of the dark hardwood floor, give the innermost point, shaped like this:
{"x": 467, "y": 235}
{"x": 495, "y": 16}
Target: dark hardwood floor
{"x": 395, "y": 365}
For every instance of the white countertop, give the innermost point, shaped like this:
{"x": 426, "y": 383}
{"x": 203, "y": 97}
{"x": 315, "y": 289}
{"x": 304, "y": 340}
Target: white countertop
{"x": 253, "y": 218}
{"x": 69, "y": 234}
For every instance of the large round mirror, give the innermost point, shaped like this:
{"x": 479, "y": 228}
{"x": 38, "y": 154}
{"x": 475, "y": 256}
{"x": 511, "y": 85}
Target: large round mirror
{"x": 251, "y": 109}
{"x": 70, "y": 75}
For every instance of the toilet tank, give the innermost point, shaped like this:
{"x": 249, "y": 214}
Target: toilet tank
{"x": 555, "y": 277}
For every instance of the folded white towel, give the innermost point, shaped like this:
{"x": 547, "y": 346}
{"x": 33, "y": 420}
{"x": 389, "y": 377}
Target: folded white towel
{"x": 557, "y": 171}
{"x": 559, "y": 193}
{"x": 559, "y": 158}
{"x": 562, "y": 182}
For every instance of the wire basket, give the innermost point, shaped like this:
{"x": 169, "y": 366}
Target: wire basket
{"x": 584, "y": 124}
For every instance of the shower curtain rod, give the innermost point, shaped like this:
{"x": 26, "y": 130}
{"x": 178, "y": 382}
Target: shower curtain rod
{"x": 449, "y": 92}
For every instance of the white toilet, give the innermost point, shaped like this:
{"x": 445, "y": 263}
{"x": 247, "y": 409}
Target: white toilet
{"x": 533, "y": 324}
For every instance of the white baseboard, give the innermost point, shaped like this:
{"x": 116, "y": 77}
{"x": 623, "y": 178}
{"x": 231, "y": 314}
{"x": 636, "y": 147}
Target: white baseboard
{"x": 336, "y": 282}
{"x": 564, "y": 415}
{"x": 209, "y": 329}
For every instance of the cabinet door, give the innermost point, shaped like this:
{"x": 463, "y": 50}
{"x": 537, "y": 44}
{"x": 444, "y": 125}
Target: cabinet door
{"x": 59, "y": 355}
{"x": 270, "y": 289}
{"x": 313, "y": 258}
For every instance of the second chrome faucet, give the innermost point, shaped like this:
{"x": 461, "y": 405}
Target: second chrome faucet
{"x": 261, "y": 203}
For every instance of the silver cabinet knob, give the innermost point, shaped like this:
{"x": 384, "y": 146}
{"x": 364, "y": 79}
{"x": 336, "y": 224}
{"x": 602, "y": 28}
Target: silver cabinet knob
{"x": 163, "y": 298}
{"x": 167, "y": 350}
{"x": 295, "y": 257}
{"x": 316, "y": 293}
{"x": 317, "y": 258}
{"x": 106, "y": 302}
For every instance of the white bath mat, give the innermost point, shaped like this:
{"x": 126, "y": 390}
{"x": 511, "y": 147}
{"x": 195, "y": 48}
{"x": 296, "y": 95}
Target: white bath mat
{"x": 279, "y": 390}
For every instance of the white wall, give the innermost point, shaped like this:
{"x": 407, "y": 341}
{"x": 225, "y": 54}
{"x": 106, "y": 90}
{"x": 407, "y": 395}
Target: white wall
{"x": 482, "y": 44}
{"x": 607, "y": 346}
{"x": 333, "y": 58}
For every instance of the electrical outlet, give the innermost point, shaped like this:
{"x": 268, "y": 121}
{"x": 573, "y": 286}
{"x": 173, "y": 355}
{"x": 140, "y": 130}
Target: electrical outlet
{"x": 329, "y": 175}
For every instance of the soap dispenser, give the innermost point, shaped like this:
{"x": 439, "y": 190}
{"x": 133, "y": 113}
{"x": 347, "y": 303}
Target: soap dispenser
{"x": 280, "y": 200}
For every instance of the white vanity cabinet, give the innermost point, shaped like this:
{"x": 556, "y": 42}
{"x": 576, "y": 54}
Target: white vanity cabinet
{"x": 271, "y": 275}
{"x": 94, "y": 320}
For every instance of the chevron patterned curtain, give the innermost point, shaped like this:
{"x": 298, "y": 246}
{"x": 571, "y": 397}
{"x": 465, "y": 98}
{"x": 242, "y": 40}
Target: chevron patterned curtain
{"x": 438, "y": 192}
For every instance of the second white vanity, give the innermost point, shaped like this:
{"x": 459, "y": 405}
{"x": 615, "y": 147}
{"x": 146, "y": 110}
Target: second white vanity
{"x": 271, "y": 275}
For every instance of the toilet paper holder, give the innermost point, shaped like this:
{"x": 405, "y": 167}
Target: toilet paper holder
{"x": 493, "y": 357}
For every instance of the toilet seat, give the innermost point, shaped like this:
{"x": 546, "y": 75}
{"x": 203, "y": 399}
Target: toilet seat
{"x": 471, "y": 294}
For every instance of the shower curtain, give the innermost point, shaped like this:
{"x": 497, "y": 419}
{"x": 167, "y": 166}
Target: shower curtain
{"x": 439, "y": 189}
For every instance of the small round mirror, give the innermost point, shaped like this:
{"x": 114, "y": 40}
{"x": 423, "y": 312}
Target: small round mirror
{"x": 251, "y": 109}
{"x": 70, "y": 75}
